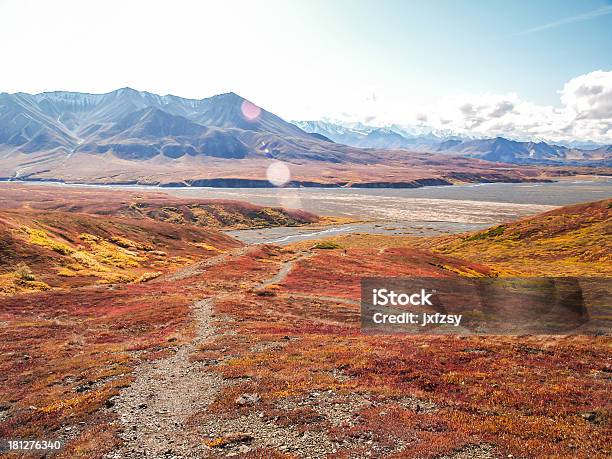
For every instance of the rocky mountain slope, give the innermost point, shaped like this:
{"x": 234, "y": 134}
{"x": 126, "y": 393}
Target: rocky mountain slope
{"x": 129, "y": 136}
{"x": 500, "y": 149}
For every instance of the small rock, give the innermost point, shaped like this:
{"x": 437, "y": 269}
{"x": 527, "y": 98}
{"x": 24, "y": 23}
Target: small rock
{"x": 142, "y": 405}
{"x": 82, "y": 388}
{"x": 590, "y": 416}
{"x": 248, "y": 399}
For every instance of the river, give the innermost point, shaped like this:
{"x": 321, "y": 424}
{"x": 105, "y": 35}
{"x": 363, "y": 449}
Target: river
{"x": 423, "y": 211}
{"x": 426, "y": 211}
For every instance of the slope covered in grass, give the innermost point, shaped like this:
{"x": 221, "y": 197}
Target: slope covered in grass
{"x": 152, "y": 205}
{"x": 286, "y": 328}
{"x": 298, "y": 345}
{"x": 574, "y": 240}
{"x": 43, "y": 250}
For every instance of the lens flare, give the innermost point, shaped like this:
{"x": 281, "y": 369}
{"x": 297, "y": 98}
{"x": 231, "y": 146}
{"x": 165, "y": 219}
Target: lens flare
{"x": 290, "y": 198}
{"x": 278, "y": 174}
{"x": 250, "y": 111}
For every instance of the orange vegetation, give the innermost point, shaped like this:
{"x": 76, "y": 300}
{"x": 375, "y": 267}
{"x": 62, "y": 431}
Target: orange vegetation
{"x": 299, "y": 345}
{"x": 43, "y": 250}
{"x": 158, "y": 206}
{"x": 574, "y": 240}
{"x": 295, "y": 341}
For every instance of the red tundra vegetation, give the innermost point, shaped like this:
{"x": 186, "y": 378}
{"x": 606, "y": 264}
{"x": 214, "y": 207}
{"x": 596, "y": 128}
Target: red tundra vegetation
{"x": 412, "y": 396}
{"x": 158, "y": 206}
{"x": 296, "y": 377}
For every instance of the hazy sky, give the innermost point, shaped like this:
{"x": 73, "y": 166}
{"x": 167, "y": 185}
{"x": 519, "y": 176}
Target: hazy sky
{"x": 447, "y": 62}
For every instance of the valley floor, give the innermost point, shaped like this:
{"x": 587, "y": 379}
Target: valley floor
{"x": 256, "y": 351}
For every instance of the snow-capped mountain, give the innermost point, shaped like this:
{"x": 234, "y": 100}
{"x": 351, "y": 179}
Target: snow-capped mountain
{"x": 497, "y": 149}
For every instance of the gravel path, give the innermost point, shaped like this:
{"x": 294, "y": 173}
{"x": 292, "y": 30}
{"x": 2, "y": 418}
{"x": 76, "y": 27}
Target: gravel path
{"x": 283, "y": 272}
{"x": 154, "y": 408}
{"x": 196, "y": 269}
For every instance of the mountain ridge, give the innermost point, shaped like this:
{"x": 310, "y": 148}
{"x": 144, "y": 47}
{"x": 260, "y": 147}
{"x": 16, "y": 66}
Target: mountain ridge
{"x": 130, "y": 136}
{"x": 496, "y": 149}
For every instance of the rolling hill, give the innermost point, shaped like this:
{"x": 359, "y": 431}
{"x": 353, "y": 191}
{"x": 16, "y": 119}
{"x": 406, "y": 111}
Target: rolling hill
{"x": 68, "y": 238}
{"x": 568, "y": 241}
{"x": 262, "y": 345}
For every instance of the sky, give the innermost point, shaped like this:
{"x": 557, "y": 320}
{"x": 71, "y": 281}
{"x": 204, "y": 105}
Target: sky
{"x": 522, "y": 69}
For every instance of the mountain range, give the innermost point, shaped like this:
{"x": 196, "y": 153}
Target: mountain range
{"x": 140, "y": 125}
{"x": 498, "y": 149}
{"x": 129, "y": 136}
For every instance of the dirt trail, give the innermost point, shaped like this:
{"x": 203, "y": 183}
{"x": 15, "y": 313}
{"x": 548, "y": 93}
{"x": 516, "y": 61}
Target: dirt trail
{"x": 165, "y": 393}
{"x": 279, "y": 276}
{"x": 284, "y": 271}
{"x": 154, "y": 409}
{"x": 196, "y": 269}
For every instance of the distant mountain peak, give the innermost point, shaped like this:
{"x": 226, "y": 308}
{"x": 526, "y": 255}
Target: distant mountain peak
{"x": 230, "y": 97}
{"x": 497, "y": 149}
{"x": 139, "y": 125}
{"x": 127, "y": 89}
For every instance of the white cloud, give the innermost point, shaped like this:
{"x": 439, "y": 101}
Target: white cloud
{"x": 589, "y": 96}
{"x": 585, "y": 113}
